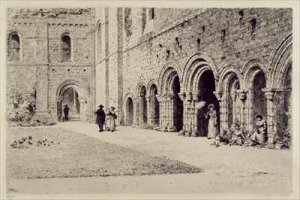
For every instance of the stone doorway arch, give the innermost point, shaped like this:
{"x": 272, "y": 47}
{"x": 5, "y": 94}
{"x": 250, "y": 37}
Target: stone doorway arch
{"x": 206, "y": 89}
{"x": 129, "y": 111}
{"x": 153, "y": 106}
{"x": 71, "y": 94}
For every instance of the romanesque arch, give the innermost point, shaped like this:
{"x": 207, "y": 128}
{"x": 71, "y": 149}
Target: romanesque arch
{"x": 256, "y": 81}
{"x": 282, "y": 86}
{"x": 171, "y": 105}
{"x": 66, "y": 47}
{"x": 129, "y": 110}
{"x": 231, "y": 106}
{"x": 73, "y": 94}
{"x": 153, "y": 110}
{"x": 200, "y": 78}
{"x": 13, "y": 46}
{"x": 141, "y": 105}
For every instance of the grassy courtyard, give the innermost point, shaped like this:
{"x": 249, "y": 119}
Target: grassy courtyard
{"x": 52, "y": 152}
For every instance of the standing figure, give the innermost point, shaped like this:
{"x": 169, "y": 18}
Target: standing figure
{"x": 212, "y": 123}
{"x": 111, "y": 120}
{"x": 259, "y": 134}
{"x": 100, "y": 120}
{"x": 66, "y": 113}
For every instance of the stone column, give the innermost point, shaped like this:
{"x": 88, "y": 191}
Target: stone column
{"x": 170, "y": 119}
{"x": 183, "y": 99}
{"x": 271, "y": 107}
{"x": 242, "y": 97}
{"x": 136, "y": 113}
{"x": 150, "y": 111}
{"x": 194, "y": 119}
{"x": 188, "y": 126}
{"x": 221, "y": 108}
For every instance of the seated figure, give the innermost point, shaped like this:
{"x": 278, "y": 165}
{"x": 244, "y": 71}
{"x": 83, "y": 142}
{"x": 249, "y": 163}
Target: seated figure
{"x": 237, "y": 136}
{"x": 259, "y": 134}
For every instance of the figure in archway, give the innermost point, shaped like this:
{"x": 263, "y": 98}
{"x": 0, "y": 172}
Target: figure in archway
{"x": 212, "y": 122}
{"x": 259, "y": 134}
{"x": 66, "y": 113}
{"x": 206, "y": 88}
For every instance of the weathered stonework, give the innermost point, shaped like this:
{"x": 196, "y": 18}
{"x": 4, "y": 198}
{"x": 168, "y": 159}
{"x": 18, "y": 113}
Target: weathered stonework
{"x": 41, "y": 65}
{"x": 156, "y": 65}
{"x": 235, "y": 46}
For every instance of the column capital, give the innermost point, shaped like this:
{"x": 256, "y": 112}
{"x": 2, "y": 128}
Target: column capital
{"x": 189, "y": 96}
{"x": 218, "y": 94}
{"x": 182, "y": 96}
{"x": 148, "y": 98}
{"x": 195, "y": 96}
{"x": 269, "y": 92}
{"x": 242, "y": 94}
{"x": 159, "y": 97}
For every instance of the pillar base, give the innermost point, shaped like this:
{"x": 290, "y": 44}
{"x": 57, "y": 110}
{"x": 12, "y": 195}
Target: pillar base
{"x": 181, "y": 133}
{"x": 171, "y": 129}
{"x": 270, "y": 139}
{"x": 194, "y": 134}
{"x": 188, "y": 133}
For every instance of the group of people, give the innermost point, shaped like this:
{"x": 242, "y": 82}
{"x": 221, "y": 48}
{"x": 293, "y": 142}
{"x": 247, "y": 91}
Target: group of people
{"x": 108, "y": 120}
{"x": 235, "y": 136}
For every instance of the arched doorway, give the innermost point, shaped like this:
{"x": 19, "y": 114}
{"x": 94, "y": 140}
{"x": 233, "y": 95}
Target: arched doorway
{"x": 259, "y": 105}
{"x": 142, "y": 111}
{"x": 170, "y": 103}
{"x": 154, "y": 105}
{"x": 206, "y": 88}
{"x": 75, "y": 98}
{"x": 284, "y": 106}
{"x": 287, "y": 98}
{"x": 231, "y": 85}
{"x": 177, "y": 104}
{"x": 129, "y": 111}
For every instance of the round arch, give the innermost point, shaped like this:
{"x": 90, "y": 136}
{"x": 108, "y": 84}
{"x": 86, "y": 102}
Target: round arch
{"x": 129, "y": 106}
{"x": 228, "y": 72}
{"x": 195, "y": 66}
{"x": 251, "y": 68}
{"x": 80, "y": 97}
{"x": 281, "y": 61}
{"x": 166, "y": 73}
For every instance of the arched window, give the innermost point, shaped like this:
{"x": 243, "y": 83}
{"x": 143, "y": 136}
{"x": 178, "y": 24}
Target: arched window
{"x": 14, "y": 46}
{"x": 65, "y": 47}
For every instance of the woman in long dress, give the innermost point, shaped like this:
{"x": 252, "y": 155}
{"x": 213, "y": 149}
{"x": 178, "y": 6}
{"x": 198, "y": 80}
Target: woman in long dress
{"x": 212, "y": 123}
{"x": 111, "y": 120}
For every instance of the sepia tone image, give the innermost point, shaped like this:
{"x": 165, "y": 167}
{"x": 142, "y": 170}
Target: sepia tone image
{"x": 149, "y": 100}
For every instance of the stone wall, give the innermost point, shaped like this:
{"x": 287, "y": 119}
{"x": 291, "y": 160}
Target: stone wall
{"x": 40, "y": 32}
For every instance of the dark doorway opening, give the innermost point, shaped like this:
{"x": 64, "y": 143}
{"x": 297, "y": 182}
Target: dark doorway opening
{"x": 129, "y": 111}
{"x": 206, "y": 87}
{"x": 178, "y": 105}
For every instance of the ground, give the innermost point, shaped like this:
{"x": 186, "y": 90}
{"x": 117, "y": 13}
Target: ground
{"x": 226, "y": 169}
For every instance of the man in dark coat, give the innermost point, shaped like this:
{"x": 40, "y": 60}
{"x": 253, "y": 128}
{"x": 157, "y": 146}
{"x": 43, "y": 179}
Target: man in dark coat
{"x": 100, "y": 120}
{"x": 66, "y": 112}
